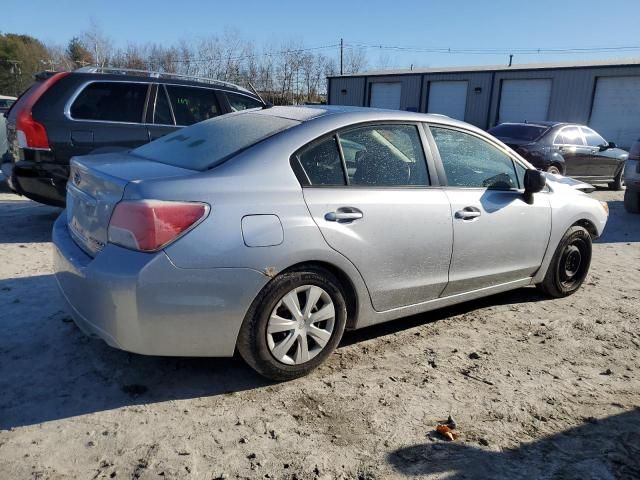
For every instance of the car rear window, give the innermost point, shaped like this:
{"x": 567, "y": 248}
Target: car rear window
{"x": 209, "y": 143}
{"x": 111, "y": 102}
{"x": 519, "y": 132}
{"x": 192, "y": 105}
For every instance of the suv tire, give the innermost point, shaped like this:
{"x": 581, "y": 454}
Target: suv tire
{"x": 632, "y": 201}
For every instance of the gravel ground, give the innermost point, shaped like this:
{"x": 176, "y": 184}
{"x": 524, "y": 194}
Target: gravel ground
{"x": 539, "y": 388}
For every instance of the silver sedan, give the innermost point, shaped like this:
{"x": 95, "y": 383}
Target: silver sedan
{"x": 268, "y": 232}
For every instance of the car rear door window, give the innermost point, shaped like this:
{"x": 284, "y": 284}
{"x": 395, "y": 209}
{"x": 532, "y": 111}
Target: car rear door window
{"x": 471, "y": 162}
{"x": 192, "y": 105}
{"x": 592, "y": 138}
{"x": 162, "y": 111}
{"x": 569, "y": 136}
{"x": 111, "y": 102}
{"x": 322, "y": 164}
{"x": 384, "y": 155}
{"x": 242, "y": 102}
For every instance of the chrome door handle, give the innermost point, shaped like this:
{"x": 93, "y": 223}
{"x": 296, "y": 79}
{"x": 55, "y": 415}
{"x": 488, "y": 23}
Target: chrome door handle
{"x": 468, "y": 213}
{"x": 343, "y": 215}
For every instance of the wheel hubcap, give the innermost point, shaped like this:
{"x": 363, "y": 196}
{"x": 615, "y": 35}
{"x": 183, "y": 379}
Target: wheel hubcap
{"x": 572, "y": 261}
{"x": 300, "y": 325}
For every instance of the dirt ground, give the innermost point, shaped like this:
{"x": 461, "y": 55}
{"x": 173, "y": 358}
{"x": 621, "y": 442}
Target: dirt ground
{"x": 539, "y": 388}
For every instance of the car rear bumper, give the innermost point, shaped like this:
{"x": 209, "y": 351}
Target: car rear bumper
{"x": 142, "y": 303}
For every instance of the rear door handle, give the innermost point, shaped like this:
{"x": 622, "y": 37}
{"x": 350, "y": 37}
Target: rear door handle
{"x": 344, "y": 215}
{"x": 468, "y": 213}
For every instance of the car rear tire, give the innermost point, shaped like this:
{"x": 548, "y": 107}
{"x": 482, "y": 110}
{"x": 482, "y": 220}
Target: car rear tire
{"x": 632, "y": 201}
{"x": 294, "y": 324}
{"x": 569, "y": 265}
{"x": 554, "y": 169}
{"x": 618, "y": 182}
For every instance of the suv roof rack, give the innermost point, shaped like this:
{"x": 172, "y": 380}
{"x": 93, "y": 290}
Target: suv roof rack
{"x": 148, "y": 73}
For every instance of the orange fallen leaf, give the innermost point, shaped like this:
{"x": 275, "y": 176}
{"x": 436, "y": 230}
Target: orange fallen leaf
{"x": 446, "y": 432}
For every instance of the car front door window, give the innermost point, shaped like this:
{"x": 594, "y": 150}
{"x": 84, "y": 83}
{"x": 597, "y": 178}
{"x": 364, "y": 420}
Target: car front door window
{"x": 471, "y": 162}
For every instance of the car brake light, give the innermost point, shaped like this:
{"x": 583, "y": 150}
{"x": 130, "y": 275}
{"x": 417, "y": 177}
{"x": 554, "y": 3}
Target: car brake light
{"x": 149, "y": 225}
{"x": 29, "y": 132}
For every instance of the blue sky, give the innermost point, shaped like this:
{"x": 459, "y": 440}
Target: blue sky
{"x": 482, "y": 24}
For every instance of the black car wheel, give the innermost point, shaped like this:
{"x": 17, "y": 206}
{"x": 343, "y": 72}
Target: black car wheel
{"x": 618, "y": 181}
{"x": 554, "y": 169}
{"x": 569, "y": 265}
{"x": 294, "y": 324}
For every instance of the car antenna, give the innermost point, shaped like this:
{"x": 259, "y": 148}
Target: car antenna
{"x": 265, "y": 104}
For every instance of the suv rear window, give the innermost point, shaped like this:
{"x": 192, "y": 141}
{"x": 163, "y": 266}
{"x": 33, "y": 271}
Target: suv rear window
{"x": 519, "y": 132}
{"x": 242, "y": 102}
{"x": 111, "y": 102}
{"x": 192, "y": 105}
{"x": 210, "y": 143}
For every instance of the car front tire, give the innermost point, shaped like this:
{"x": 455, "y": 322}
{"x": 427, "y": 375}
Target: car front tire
{"x": 294, "y": 324}
{"x": 554, "y": 169}
{"x": 618, "y": 182}
{"x": 569, "y": 265}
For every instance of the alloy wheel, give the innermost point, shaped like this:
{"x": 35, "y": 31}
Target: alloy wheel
{"x": 301, "y": 325}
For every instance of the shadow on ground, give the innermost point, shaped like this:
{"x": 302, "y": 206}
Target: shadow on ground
{"x": 50, "y": 370}
{"x": 622, "y": 226}
{"x": 598, "y": 449}
{"x": 24, "y": 221}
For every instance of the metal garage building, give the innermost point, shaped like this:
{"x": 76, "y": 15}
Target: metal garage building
{"x": 604, "y": 95}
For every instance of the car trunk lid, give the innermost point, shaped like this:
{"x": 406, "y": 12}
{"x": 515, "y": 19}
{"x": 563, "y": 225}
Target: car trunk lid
{"x": 96, "y": 184}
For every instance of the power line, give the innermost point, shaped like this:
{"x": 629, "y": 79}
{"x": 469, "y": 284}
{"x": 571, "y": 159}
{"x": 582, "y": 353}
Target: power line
{"x": 495, "y": 51}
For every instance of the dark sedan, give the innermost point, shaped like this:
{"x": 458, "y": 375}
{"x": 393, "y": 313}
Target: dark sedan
{"x": 566, "y": 148}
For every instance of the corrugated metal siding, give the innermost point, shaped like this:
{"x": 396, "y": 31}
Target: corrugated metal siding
{"x": 571, "y": 93}
{"x": 353, "y": 88}
{"x": 477, "y": 103}
{"x": 410, "y": 97}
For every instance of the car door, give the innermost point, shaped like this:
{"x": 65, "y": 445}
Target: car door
{"x": 381, "y": 213}
{"x": 602, "y": 162}
{"x": 577, "y": 155}
{"x": 160, "y": 119}
{"x": 108, "y": 114}
{"x": 498, "y": 237}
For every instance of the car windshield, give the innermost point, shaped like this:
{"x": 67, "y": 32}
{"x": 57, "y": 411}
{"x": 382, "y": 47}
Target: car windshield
{"x": 519, "y": 132}
{"x": 209, "y": 143}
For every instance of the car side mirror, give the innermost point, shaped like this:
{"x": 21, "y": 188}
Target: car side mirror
{"x": 612, "y": 145}
{"x": 534, "y": 181}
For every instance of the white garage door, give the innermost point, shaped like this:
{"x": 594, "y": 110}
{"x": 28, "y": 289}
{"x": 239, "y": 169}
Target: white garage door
{"x": 616, "y": 109}
{"x": 386, "y": 95}
{"x": 524, "y": 100}
{"x": 448, "y": 98}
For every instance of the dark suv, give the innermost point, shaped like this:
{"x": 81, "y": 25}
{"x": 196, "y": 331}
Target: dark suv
{"x": 566, "y": 148}
{"x": 93, "y": 110}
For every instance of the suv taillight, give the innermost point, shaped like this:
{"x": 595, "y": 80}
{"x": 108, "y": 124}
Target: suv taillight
{"x": 149, "y": 225}
{"x": 29, "y": 132}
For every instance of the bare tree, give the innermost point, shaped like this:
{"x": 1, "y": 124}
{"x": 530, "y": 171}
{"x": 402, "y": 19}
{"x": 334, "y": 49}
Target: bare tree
{"x": 355, "y": 59}
{"x": 98, "y": 43}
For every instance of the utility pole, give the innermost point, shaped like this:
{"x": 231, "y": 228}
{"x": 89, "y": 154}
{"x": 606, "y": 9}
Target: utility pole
{"x": 341, "y": 53}
{"x": 510, "y": 59}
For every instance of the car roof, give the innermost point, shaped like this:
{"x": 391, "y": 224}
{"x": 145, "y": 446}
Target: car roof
{"x": 358, "y": 114}
{"x": 130, "y": 75}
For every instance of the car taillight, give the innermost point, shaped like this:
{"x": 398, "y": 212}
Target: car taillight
{"x": 29, "y": 132}
{"x": 149, "y": 225}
